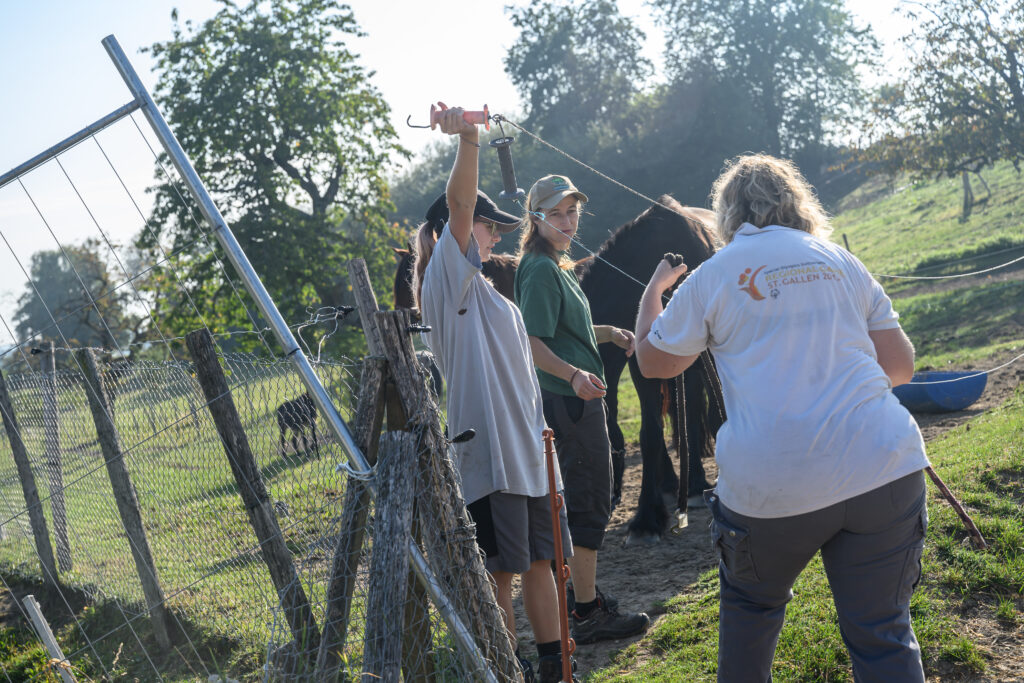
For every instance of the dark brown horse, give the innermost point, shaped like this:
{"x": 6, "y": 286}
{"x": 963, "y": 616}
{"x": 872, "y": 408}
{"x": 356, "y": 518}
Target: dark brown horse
{"x": 614, "y": 282}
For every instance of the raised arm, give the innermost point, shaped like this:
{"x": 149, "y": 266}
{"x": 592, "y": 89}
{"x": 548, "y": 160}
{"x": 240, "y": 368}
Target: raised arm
{"x": 462, "y": 183}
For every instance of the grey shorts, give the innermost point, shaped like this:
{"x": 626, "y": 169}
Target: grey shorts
{"x": 585, "y": 459}
{"x": 515, "y": 531}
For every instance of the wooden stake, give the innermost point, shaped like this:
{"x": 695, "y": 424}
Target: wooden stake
{"x": 392, "y": 529}
{"x": 36, "y": 518}
{"x": 254, "y": 496}
{"x": 126, "y": 499}
{"x": 52, "y": 456}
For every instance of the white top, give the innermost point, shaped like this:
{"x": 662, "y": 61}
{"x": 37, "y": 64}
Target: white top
{"x": 811, "y": 420}
{"x": 481, "y": 347}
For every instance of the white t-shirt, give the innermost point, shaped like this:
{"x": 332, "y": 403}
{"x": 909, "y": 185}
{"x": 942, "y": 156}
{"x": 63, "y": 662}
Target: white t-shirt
{"x": 811, "y": 420}
{"x": 481, "y": 347}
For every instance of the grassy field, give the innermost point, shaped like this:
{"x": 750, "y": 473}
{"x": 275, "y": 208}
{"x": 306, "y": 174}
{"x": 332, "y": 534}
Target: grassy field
{"x": 905, "y": 229}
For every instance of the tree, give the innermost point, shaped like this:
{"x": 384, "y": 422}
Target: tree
{"x": 960, "y": 108}
{"x": 74, "y": 297}
{"x": 292, "y": 141}
{"x": 794, "y": 61}
{"x": 575, "y": 64}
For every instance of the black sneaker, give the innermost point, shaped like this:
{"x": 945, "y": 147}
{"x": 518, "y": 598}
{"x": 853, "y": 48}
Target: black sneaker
{"x": 549, "y": 669}
{"x": 607, "y": 624}
{"x": 524, "y": 664}
{"x": 609, "y": 600}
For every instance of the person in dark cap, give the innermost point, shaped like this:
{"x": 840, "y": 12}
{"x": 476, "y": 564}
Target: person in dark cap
{"x": 479, "y": 341}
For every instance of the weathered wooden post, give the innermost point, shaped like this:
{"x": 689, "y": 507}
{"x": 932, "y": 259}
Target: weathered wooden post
{"x": 52, "y": 456}
{"x": 254, "y": 496}
{"x": 352, "y": 528}
{"x": 392, "y": 530}
{"x": 376, "y": 391}
{"x": 444, "y": 517}
{"x": 126, "y": 498}
{"x": 36, "y": 518}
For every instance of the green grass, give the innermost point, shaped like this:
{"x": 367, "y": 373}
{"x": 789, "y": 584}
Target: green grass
{"x": 983, "y": 462}
{"x": 897, "y": 227}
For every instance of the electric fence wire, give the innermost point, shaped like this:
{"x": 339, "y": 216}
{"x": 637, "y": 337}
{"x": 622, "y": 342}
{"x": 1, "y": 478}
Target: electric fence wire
{"x": 597, "y": 256}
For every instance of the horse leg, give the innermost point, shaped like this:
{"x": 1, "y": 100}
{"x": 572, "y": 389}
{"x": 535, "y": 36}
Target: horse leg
{"x": 651, "y": 517}
{"x": 696, "y": 404}
{"x": 281, "y": 428}
{"x": 316, "y": 445}
{"x": 614, "y": 361}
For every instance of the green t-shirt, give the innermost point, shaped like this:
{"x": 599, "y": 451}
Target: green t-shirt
{"x": 555, "y": 309}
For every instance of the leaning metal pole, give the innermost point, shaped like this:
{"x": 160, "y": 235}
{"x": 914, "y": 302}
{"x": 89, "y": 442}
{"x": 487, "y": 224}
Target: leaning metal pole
{"x": 284, "y": 335}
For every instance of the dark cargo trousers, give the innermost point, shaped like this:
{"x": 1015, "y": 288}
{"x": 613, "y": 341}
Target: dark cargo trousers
{"x": 871, "y": 548}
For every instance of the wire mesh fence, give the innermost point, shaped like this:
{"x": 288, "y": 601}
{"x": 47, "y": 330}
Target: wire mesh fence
{"x": 208, "y": 559}
{"x": 207, "y": 556}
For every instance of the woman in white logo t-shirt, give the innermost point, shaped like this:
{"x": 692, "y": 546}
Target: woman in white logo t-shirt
{"x": 816, "y": 453}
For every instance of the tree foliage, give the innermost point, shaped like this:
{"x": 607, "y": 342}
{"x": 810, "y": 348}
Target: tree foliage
{"x": 961, "y": 106}
{"x": 291, "y": 139}
{"x": 575, "y": 63}
{"x": 76, "y": 298}
{"x": 793, "y": 62}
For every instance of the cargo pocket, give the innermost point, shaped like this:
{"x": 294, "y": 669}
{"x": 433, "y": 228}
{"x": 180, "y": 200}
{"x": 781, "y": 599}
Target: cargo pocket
{"x": 733, "y": 545}
{"x": 911, "y": 574}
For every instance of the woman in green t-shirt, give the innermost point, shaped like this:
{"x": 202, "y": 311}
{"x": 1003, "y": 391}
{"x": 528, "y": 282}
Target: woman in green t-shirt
{"x": 564, "y": 339}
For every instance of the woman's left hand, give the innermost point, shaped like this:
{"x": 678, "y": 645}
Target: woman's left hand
{"x": 623, "y": 339}
{"x": 666, "y": 275}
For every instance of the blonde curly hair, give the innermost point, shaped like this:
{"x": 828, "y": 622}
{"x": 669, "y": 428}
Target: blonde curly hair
{"x": 763, "y": 190}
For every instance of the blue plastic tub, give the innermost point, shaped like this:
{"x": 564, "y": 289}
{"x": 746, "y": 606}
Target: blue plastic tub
{"x": 945, "y": 397}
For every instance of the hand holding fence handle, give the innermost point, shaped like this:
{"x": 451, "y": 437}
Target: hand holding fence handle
{"x": 474, "y": 117}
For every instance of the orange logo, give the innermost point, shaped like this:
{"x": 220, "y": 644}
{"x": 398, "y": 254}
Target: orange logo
{"x": 746, "y": 278}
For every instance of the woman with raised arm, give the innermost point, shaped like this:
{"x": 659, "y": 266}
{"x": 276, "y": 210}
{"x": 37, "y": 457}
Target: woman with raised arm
{"x": 480, "y": 344}
{"x": 564, "y": 341}
{"x": 817, "y": 453}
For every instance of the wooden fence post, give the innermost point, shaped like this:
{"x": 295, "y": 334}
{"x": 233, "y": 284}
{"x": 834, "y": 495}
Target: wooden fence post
{"x": 448, "y": 520}
{"x": 392, "y": 529}
{"x": 126, "y": 499}
{"x": 417, "y": 619}
{"x": 254, "y": 496}
{"x": 52, "y": 456}
{"x": 28, "y": 487}
{"x": 352, "y": 528}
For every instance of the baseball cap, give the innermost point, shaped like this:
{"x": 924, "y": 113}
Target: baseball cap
{"x": 551, "y": 189}
{"x": 485, "y": 208}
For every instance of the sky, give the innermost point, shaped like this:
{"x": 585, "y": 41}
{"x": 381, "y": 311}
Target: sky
{"x": 57, "y": 79}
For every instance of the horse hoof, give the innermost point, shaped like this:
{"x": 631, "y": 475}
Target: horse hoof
{"x": 634, "y": 538}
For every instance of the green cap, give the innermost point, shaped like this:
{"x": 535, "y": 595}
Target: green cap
{"x": 551, "y": 189}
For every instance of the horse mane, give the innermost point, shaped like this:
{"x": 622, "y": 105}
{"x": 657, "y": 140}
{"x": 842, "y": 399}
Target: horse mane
{"x": 669, "y": 208}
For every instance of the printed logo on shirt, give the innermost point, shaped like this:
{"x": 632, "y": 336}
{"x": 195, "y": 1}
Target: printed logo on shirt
{"x": 748, "y": 285}
{"x": 808, "y": 273}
